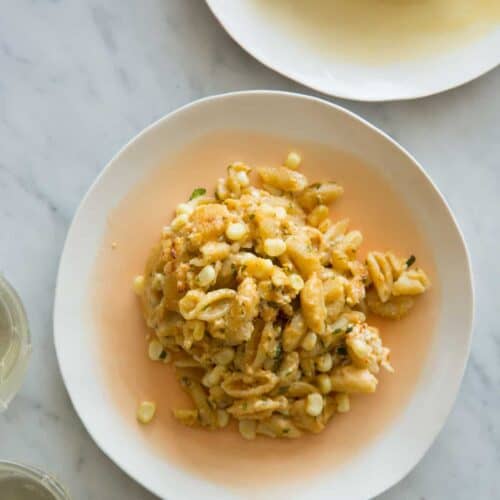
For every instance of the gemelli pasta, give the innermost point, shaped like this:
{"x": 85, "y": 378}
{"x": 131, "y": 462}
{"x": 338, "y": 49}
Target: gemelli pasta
{"x": 259, "y": 300}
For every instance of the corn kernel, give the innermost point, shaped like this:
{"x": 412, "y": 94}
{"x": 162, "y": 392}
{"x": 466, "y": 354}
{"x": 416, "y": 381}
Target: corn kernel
{"x": 224, "y": 356}
{"x": 324, "y": 383}
{"x": 280, "y": 213}
{"x": 214, "y": 376}
{"x": 221, "y": 191}
{"x": 325, "y": 225}
{"x": 158, "y": 281}
{"x": 236, "y": 231}
{"x": 309, "y": 341}
{"x": 296, "y": 282}
{"x": 359, "y": 348}
{"x": 242, "y": 178}
{"x": 222, "y": 418}
{"x": 340, "y": 324}
{"x": 179, "y": 222}
{"x": 206, "y": 276}
{"x": 184, "y": 208}
{"x": 155, "y": 350}
{"x": 259, "y": 268}
{"x": 278, "y": 278}
{"x": 293, "y": 160}
{"x": 146, "y": 411}
{"x": 274, "y": 247}
{"x": 318, "y": 215}
{"x": 247, "y": 428}
{"x": 324, "y": 363}
{"x": 314, "y": 404}
{"x": 139, "y": 284}
{"x": 343, "y": 403}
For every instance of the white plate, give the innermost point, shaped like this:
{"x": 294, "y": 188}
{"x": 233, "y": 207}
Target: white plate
{"x": 407, "y": 78}
{"x": 299, "y": 118}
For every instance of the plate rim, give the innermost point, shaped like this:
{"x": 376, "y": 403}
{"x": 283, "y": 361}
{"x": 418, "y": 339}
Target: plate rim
{"x": 57, "y": 331}
{"x": 329, "y": 92}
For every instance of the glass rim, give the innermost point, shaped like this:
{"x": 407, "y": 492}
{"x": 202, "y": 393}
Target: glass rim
{"x": 48, "y": 481}
{"x": 13, "y": 377}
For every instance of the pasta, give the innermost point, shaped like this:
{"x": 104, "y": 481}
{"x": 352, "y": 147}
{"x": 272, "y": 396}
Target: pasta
{"x": 259, "y": 300}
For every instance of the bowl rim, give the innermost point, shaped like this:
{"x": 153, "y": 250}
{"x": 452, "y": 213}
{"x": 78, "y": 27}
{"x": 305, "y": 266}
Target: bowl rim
{"x": 469, "y": 276}
{"x": 323, "y": 89}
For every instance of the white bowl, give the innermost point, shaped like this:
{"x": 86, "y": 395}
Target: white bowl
{"x": 403, "y": 444}
{"x": 403, "y": 77}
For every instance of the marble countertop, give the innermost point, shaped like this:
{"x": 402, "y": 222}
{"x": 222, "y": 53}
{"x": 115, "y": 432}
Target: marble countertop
{"x": 78, "y": 79}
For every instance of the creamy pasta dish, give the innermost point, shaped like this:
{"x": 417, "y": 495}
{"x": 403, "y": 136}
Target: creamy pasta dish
{"x": 259, "y": 300}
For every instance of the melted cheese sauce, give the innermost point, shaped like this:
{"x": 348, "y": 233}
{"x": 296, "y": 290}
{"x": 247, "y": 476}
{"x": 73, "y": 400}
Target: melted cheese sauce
{"x": 381, "y": 31}
{"x": 223, "y": 456}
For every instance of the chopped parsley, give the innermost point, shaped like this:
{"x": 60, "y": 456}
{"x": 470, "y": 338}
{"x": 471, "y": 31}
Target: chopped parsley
{"x": 163, "y": 355}
{"x": 316, "y": 185}
{"x": 197, "y": 192}
{"x": 286, "y": 430}
{"x": 278, "y": 356}
{"x": 337, "y": 330}
{"x": 278, "y": 352}
{"x": 273, "y": 304}
{"x": 342, "y": 351}
{"x": 283, "y": 390}
{"x": 411, "y": 260}
{"x": 349, "y": 329}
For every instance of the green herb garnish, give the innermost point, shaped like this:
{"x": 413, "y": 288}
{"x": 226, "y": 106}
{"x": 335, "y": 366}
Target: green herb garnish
{"x": 283, "y": 390}
{"x": 349, "y": 329}
{"x": 197, "y": 192}
{"x": 163, "y": 355}
{"x": 411, "y": 260}
{"x": 342, "y": 351}
{"x": 278, "y": 356}
{"x": 337, "y": 330}
{"x": 273, "y": 304}
{"x": 286, "y": 431}
{"x": 316, "y": 185}
{"x": 278, "y": 352}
